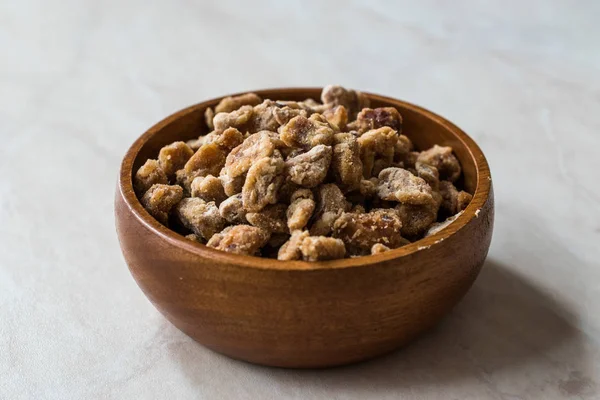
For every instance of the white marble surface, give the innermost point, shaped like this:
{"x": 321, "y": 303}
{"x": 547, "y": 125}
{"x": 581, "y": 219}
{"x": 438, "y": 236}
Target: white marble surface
{"x": 80, "y": 80}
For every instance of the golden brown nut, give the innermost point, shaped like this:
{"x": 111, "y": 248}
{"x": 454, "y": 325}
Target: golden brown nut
{"x": 369, "y": 118}
{"x": 240, "y": 239}
{"x": 306, "y": 133}
{"x": 300, "y": 210}
{"x": 263, "y": 182}
{"x": 229, "y": 104}
{"x": 232, "y": 209}
{"x": 379, "y": 248}
{"x": 337, "y": 117}
{"x": 346, "y": 165}
{"x": 209, "y": 114}
{"x": 361, "y": 231}
{"x": 259, "y": 145}
{"x": 442, "y": 159}
{"x": 453, "y": 201}
{"x": 377, "y": 144}
{"x": 272, "y": 218}
{"x": 238, "y": 119}
{"x": 321, "y": 248}
{"x": 173, "y": 157}
{"x": 397, "y": 184}
{"x": 199, "y": 216}
{"x": 402, "y": 149}
{"x": 331, "y": 202}
{"x": 309, "y": 169}
{"x": 353, "y": 100}
{"x": 149, "y": 174}
{"x": 208, "y": 188}
{"x": 429, "y": 174}
{"x": 160, "y": 199}
{"x": 207, "y": 160}
{"x": 290, "y": 250}
{"x": 229, "y": 139}
{"x": 416, "y": 218}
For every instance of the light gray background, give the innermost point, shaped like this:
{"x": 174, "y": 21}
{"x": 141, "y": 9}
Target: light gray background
{"x": 80, "y": 80}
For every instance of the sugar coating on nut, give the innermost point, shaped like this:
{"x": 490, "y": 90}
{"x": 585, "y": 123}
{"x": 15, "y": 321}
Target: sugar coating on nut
{"x": 377, "y": 145}
{"x": 233, "y": 211}
{"x": 272, "y": 218}
{"x": 199, "y": 216}
{"x": 290, "y": 250}
{"x": 442, "y": 159}
{"x": 397, "y": 184}
{"x": 309, "y": 169}
{"x": 306, "y": 133}
{"x": 159, "y": 199}
{"x": 262, "y": 183}
{"x": 207, "y": 160}
{"x": 173, "y": 157}
{"x": 369, "y": 118}
{"x": 232, "y": 103}
{"x": 147, "y": 175}
{"x": 337, "y": 117}
{"x": 238, "y": 119}
{"x": 321, "y": 248}
{"x": 240, "y": 239}
{"x": 208, "y": 188}
{"x": 300, "y": 210}
{"x": 453, "y": 201}
{"x": 346, "y": 164}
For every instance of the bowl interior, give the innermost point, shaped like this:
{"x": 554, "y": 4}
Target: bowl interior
{"x": 423, "y": 127}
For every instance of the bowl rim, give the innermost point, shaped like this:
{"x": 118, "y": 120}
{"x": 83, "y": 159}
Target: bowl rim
{"x": 480, "y": 196}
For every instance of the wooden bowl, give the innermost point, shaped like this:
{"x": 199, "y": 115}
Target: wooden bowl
{"x": 294, "y": 313}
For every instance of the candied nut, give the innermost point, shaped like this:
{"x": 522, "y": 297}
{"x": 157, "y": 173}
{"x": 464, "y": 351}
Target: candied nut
{"x": 263, "y": 117}
{"x": 429, "y": 174}
{"x": 346, "y": 165}
{"x": 259, "y": 145}
{"x": 195, "y": 144}
{"x": 369, "y": 118}
{"x": 416, "y": 218}
{"x": 398, "y": 184}
{"x": 368, "y": 187}
{"x": 361, "y": 231}
{"x": 235, "y": 119}
{"x": 272, "y": 218}
{"x": 207, "y": 160}
{"x": 402, "y": 149}
{"x": 160, "y": 199}
{"x": 149, "y": 174}
{"x": 173, "y": 157}
{"x": 262, "y": 183}
{"x": 453, "y": 201}
{"x": 208, "y": 188}
{"x": 331, "y": 202}
{"x": 232, "y": 103}
{"x": 240, "y": 239}
{"x": 379, "y": 248}
{"x": 321, "y": 248}
{"x": 199, "y": 216}
{"x": 443, "y": 159}
{"x": 229, "y": 139}
{"x": 306, "y": 132}
{"x": 337, "y": 117}
{"x": 209, "y": 114}
{"x": 232, "y": 186}
{"x": 309, "y": 169}
{"x": 377, "y": 144}
{"x": 438, "y": 226}
{"x": 300, "y": 210}
{"x": 232, "y": 209}
{"x": 290, "y": 250}
{"x": 411, "y": 159}
{"x": 283, "y": 115}
{"x": 353, "y": 100}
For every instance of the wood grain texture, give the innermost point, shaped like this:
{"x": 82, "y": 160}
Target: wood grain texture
{"x": 294, "y": 313}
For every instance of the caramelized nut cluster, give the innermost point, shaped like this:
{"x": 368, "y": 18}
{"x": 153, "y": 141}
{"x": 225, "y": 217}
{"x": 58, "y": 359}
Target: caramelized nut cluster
{"x": 302, "y": 180}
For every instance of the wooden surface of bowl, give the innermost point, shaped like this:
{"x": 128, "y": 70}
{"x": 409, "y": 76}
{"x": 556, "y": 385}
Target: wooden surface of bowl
{"x": 295, "y": 313}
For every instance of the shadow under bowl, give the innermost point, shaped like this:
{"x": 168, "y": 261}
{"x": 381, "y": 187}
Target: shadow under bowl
{"x": 294, "y": 313}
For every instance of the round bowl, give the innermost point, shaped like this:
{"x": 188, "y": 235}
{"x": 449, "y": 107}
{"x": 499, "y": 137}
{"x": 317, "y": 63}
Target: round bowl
{"x": 295, "y": 313}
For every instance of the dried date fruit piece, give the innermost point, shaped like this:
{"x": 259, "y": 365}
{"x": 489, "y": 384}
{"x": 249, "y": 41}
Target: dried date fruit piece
{"x": 209, "y": 114}
{"x": 416, "y": 218}
{"x": 309, "y": 169}
{"x": 438, "y": 226}
{"x": 238, "y": 119}
{"x": 208, "y": 188}
{"x": 353, "y": 100}
{"x": 232, "y": 103}
{"x": 300, "y": 210}
{"x": 442, "y": 159}
{"x": 306, "y": 133}
{"x": 337, "y": 117}
{"x": 149, "y": 174}
{"x": 262, "y": 183}
{"x": 429, "y": 174}
{"x": 255, "y": 147}
{"x": 397, "y": 184}
{"x": 361, "y": 231}
{"x": 240, "y": 239}
{"x": 377, "y": 144}
{"x": 453, "y": 201}
{"x": 369, "y": 118}
{"x": 232, "y": 209}
{"x": 379, "y": 248}
{"x": 290, "y": 250}
{"x": 346, "y": 165}
{"x": 331, "y": 202}
{"x": 199, "y": 216}
{"x": 272, "y": 218}
{"x": 173, "y": 157}
{"x": 321, "y": 248}
{"x": 160, "y": 199}
{"x": 207, "y": 160}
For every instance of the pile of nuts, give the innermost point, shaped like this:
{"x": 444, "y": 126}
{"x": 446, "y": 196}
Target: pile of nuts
{"x": 302, "y": 180}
